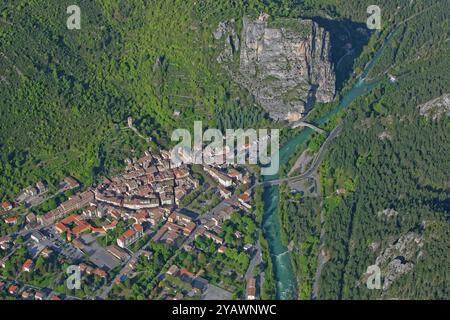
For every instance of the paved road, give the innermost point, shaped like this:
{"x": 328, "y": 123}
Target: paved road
{"x": 256, "y": 260}
{"x": 312, "y": 169}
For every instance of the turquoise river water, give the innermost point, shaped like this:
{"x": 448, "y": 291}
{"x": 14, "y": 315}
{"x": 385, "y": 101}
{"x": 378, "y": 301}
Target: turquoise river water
{"x": 282, "y": 267}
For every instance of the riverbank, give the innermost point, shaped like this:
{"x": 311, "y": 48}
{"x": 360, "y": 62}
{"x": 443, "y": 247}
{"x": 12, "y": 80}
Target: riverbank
{"x": 272, "y": 228}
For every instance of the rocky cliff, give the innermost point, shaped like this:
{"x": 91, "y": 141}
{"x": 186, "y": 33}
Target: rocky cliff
{"x": 285, "y": 64}
{"x": 436, "y": 108}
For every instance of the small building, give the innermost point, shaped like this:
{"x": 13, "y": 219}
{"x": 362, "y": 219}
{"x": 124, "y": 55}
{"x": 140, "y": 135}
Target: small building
{"x": 132, "y": 263}
{"x": 100, "y": 273}
{"x": 11, "y": 220}
{"x": 234, "y": 174}
{"x": 70, "y": 183}
{"x": 39, "y": 295}
{"x": 13, "y": 289}
{"x": 244, "y": 199}
{"x": 46, "y": 253}
{"x": 31, "y": 218}
{"x": 221, "y": 249}
{"x": 117, "y": 252}
{"x": 146, "y": 254}
{"x": 36, "y": 236}
{"x": 130, "y": 236}
{"x": 28, "y": 265}
{"x": 173, "y": 270}
{"x": 42, "y": 187}
{"x": 25, "y": 295}
{"x": 6, "y": 205}
{"x": 5, "y": 240}
{"x": 251, "y": 289}
{"x": 224, "y": 192}
{"x": 246, "y": 179}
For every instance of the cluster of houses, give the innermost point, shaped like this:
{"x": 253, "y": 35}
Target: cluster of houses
{"x": 177, "y": 225}
{"x": 148, "y": 182}
{"x": 5, "y": 208}
{"x": 147, "y": 193}
{"x": 26, "y": 293}
{"x": 27, "y": 194}
{"x": 7, "y": 242}
{"x": 211, "y": 226}
{"x": 197, "y": 283}
{"x": 76, "y": 202}
{"x": 85, "y": 269}
{"x": 226, "y": 178}
{"x": 34, "y": 195}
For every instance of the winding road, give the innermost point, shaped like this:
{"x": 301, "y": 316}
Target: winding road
{"x": 312, "y": 169}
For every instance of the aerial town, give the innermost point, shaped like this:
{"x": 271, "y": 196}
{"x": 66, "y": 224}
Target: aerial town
{"x": 158, "y": 230}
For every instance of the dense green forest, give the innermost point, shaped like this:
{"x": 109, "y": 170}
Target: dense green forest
{"x": 66, "y": 94}
{"x": 301, "y": 218}
{"x": 395, "y": 159}
{"x": 387, "y": 159}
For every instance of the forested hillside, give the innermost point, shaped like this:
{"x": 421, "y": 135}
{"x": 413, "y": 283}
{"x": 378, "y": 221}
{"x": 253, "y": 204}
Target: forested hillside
{"x": 385, "y": 182}
{"x": 398, "y": 162}
{"x": 66, "y": 94}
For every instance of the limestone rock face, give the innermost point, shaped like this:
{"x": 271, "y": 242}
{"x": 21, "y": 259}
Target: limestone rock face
{"x": 436, "y": 108}
{"x": 399, "y": 257}
{"x": 286, "y": 66}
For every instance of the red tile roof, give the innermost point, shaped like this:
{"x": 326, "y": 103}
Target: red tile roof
{"x": 6, "y": 205}
{"x": 27, "y": 265}
{"x": 99, "y": 272}
{"x": 185, "y": 272}
{"x": 11, "y": 220}
{"x": 13, "y": 289}
{"x": 98, "y": 230}
{"x": 244, "y": 197}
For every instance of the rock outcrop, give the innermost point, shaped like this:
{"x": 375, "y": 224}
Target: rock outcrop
{"x": 285, "y": 64}
{"x": 437, "y": 107}
{"x": 399, "y": 257}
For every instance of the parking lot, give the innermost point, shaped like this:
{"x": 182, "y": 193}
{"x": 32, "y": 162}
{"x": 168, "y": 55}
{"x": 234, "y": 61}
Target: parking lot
{"x": 98, "y": 255}
{"x": 53, "y": 240}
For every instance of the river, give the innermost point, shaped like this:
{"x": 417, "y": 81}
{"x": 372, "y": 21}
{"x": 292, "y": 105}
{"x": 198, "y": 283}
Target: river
{"x": 285, "y": 278}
